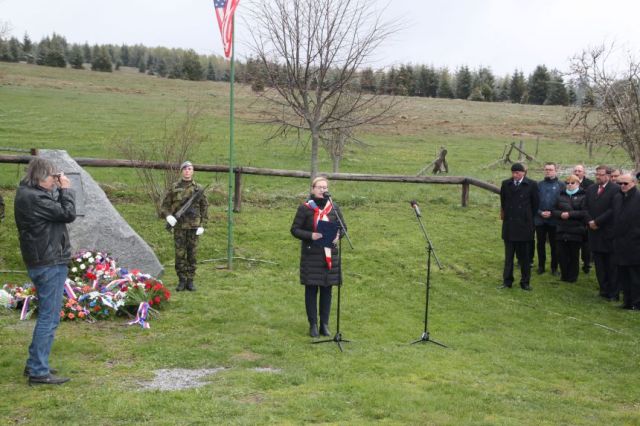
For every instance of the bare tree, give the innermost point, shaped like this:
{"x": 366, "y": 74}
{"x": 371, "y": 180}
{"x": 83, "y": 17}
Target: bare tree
{"x": 609, "y": 113}
{"x": 311, "y": 51}
{"x": 177, "y": 144}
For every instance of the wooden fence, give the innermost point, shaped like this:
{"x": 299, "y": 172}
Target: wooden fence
{"x": 238, "y": 171}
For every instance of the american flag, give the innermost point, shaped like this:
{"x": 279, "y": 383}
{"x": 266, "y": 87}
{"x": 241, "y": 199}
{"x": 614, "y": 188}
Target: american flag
{"x": 224, "y": 12}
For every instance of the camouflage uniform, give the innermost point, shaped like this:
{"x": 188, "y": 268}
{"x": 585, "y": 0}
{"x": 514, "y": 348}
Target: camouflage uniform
{"x": 184, "y": 233}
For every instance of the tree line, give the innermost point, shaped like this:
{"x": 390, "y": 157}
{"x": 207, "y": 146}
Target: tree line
{"x": 541, "y": 87}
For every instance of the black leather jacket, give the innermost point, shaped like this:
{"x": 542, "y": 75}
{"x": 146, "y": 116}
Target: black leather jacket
{"x": 41, "y": 219}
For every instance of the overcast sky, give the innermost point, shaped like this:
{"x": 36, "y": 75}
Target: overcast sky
{"x": 500, "y": 34}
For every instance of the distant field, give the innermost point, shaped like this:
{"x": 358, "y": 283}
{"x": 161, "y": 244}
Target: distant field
{"x": 557, "y": 355}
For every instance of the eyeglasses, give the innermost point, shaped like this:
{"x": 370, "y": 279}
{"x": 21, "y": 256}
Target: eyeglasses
{"x": 571, "y": 183}
{"x": 624, "y": 183}
{"x": 321, "y": 187}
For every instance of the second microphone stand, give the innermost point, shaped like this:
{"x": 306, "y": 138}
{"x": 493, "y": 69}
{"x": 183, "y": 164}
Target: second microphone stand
{"x": 425, "y": 334}
{"x": 338, "y": 336}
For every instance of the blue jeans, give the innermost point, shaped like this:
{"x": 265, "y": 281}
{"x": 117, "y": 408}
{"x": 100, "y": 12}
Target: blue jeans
{"x": 49, "y": 283}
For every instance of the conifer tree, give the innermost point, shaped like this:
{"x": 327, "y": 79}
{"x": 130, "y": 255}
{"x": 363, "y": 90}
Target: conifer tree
{"x": 537, "y": 86}
{"x": 27, "y": 49}
{"x": 76, "y": 58}
{"x": 191, "y": 66}
{"x": 463, "y": 83}
{"x": 444, "y": 88}
{"x": 517, "y": 87}
{"x": 101, "y": 60}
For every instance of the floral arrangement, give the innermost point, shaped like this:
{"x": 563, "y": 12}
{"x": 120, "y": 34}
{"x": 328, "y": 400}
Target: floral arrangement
{"x": 96, "y": 289}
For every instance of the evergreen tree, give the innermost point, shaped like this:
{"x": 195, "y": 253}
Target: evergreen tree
{"x": 485, "y": 80}
{"x": 76, "y": 57}
{"x": 27, "y": 49}
{"x": 556, "y": 91}
{"x": 101, "y": 60}
{"x": 517, "y": 87}
{"x": 15, "y": 50}
{"x": 124, "y": 55}
{"x": 502, "y": 91}
{"x": 86, "y": 52}
{"x": 463, "y": 83}
{"x": 161, "y": 68}
{"x": 142, "y": 65}
{"x": 391, "y": 80}
{"x": 191, "y": 66}
{"x": 5, "y": 55}
{"x": 538, "y": 83}
{"x": 367, "y": 81}
{"x": 444, "y": 88}
{"x": 432, "y": 82}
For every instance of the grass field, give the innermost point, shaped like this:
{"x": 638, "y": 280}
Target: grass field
{"x": 556, "y": 355}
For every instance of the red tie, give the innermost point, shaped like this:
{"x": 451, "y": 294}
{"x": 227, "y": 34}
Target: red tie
{"x": 600, "y": 190}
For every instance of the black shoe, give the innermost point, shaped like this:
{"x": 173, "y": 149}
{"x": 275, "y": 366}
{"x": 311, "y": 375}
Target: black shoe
{"x": 27, "y": 371}
{"x": 324, "y": 330}
{"x": 586, "y": 269}
{"x": 49, "y": 379}
{"x": 500, "y": 287}
{"x": 526, "y": 287}
{"x": 181, "y": 285}
{"x": 313, "y": 330}
{"x": 555, "y": 272}
{"x": 625, "y": 306}
{"x": 540, "y": 270}
{"x": 190, "y": 285}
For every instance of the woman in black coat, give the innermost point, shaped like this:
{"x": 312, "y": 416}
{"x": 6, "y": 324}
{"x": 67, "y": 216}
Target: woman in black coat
{"x": 571, "y": 231}
{"x": 319, "y": 265}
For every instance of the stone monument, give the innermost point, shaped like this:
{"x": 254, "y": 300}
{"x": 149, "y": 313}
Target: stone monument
{"x": 98, "y": 225}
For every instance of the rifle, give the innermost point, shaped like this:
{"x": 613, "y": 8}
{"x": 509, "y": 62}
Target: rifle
{"x": 194, "y": 198}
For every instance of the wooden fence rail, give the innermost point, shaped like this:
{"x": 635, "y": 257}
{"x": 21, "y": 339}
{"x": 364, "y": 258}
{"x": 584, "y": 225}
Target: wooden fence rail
{"x": 238, "y": 171}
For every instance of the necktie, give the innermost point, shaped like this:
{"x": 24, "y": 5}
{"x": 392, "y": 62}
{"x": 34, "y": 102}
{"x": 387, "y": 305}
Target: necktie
{"x": 600, "y": 190}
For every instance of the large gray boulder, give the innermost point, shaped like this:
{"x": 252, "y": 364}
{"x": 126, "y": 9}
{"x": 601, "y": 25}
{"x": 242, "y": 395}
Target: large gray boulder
{"x": 98, "y": 225}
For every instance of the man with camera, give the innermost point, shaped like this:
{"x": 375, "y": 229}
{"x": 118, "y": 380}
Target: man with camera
{"x": 44, "y": 204}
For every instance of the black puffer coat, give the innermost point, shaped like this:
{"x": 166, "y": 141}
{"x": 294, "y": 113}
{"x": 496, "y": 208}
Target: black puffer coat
{"x": 313, "y": 266}
{"x": 572, "y": 229}
{"x": 41, "y": 219}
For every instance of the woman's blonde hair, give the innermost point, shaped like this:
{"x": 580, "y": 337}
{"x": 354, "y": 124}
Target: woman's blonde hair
{"x": 318, "y": 179}
{"x": 572, "y": 179}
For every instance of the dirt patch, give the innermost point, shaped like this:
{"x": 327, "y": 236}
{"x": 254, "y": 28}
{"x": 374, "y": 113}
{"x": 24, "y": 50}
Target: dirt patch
{"x": 179, "y": 378}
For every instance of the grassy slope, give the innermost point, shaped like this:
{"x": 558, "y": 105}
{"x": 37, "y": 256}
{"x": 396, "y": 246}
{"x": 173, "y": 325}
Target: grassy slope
{"x": 556, "y": 355}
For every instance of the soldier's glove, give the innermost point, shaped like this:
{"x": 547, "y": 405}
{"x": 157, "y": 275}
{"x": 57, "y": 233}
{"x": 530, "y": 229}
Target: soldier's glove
{"x": 200, "y": 231}
{"x": 171, "y": 220}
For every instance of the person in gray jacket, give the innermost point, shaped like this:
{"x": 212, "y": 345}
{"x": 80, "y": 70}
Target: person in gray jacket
{"x": 549, "y": 188}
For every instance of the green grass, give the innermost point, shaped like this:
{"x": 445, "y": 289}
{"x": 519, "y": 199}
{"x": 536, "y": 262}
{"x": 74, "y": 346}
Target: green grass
{"x": 557, "y": 355}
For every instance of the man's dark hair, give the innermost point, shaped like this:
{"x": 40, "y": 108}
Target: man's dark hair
{"x": 607, "y": 169}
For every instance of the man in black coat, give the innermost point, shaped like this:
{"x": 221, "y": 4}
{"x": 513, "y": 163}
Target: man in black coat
{"x": 519, "y": 202}
{"x": 626, "y": 240}
{"x": 585, "y": 182}
{"x": 599, "y": 206}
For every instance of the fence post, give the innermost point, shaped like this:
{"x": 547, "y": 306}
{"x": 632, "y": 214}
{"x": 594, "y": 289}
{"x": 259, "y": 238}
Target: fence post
{"x": 465, "y": 194}
{"x": 237, "y": 195}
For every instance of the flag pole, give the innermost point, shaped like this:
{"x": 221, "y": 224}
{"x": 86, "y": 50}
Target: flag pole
{"x": 231, "y": 174}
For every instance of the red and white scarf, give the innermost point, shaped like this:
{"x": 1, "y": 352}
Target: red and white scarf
{"x": 323, "y": 215}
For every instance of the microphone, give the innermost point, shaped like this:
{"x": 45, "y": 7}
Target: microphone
{"x": 326, "y": 195}
{"x": 414, "y": 205}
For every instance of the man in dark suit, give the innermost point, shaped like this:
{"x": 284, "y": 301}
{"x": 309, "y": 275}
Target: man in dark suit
{"x": 585, "y": 183}
{"x": 518, "y": 205}
{"x": 599, "y": 206}
{"x": 626, "y": 240}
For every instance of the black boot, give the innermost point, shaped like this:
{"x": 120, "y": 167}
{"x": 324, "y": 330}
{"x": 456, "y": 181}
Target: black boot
{"x": 313, "y": 330}
{"x": 181, "y": 285}
{"x": 324, "y": 329}
{"x": 190, "y": 285}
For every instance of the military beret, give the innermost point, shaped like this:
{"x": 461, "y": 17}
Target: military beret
{"x": 186, "y": 164}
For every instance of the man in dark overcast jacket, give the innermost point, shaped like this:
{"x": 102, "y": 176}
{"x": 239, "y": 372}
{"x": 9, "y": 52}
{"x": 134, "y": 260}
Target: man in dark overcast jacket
{"x": 44, "y": 204}
{"x": 626, "y": 240}
{"x": 599, "y": 206}
{"x": 519, "y": 202}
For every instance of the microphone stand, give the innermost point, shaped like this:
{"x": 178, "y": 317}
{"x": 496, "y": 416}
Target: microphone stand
{"x": 338, "y": 336}
{"x": 430, "y": 249}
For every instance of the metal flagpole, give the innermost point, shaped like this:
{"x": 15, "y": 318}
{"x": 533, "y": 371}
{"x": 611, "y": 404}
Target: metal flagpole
{"x": 231, "y": 175}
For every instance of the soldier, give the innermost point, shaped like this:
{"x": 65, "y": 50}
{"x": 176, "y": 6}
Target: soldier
{"x": 187, "y": 227}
